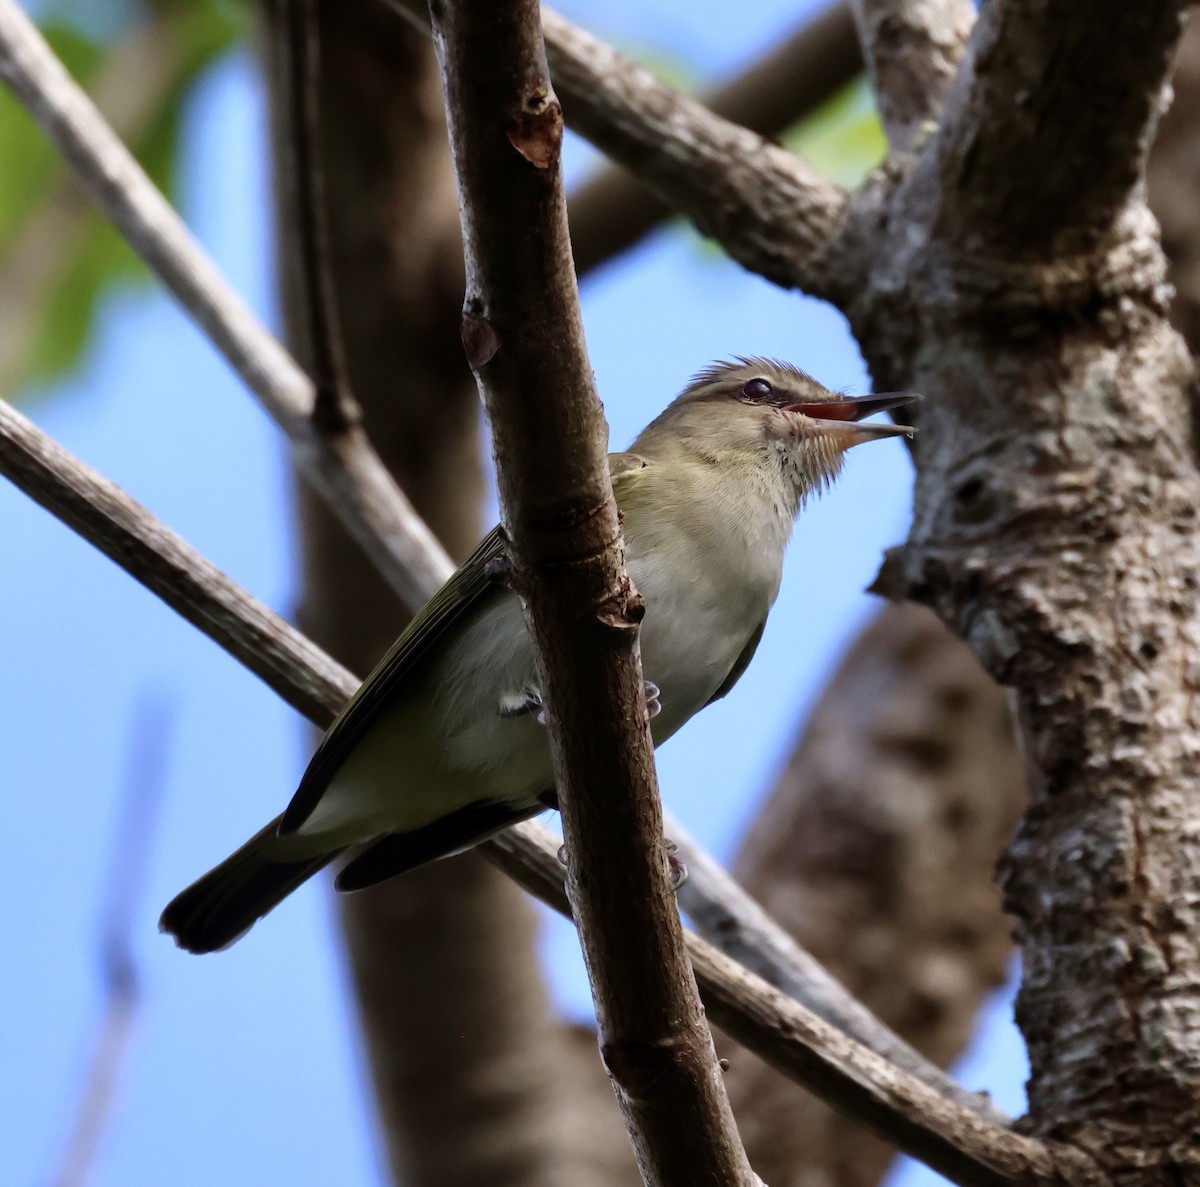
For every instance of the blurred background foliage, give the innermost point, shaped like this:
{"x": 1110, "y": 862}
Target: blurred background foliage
{"x": 58, "y": 257}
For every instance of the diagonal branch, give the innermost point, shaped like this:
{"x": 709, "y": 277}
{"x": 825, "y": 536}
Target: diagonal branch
{"x": 951, "y": 1139}
{"x": 523, "y": 335}
{"x": 912, "y": 48}
{"x": 614, "y": 210}
{"x": 767, "y": 209}
{"x": 728, "y": 917}
{"x": 1064, "y": 96}
{"x": 342, "y": 463}
{"x": 782, "y": 1032}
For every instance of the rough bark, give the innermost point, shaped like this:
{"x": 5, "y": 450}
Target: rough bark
{"x": 1173, "y": 182}
{"x": 904, "y": 1111}
{"x": 1054, "y": 530}
{"x": 474, "y": 1081}
{"x": 912, "y": 48}
{"x": 877, "y": 849}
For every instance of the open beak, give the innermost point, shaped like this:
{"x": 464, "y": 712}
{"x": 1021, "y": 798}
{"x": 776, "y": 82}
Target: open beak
{"x": 855, "y": 408}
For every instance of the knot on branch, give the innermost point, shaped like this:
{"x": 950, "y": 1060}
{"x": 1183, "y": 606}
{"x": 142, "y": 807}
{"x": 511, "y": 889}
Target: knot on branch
{"x": 481, "y": 340}
{"x": 536, "y": 130}
{"x": 623, "y": 610}
{"x": 639, "y": 1068}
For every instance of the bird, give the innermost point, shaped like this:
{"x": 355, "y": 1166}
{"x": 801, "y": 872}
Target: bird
{"x": 444, "y": 744}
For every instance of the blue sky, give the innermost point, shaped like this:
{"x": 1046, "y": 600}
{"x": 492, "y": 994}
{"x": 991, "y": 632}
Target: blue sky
{"x": 245, "y": 1067}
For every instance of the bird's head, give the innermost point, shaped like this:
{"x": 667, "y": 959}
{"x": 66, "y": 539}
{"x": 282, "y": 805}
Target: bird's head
{"x": 771, "y": 414}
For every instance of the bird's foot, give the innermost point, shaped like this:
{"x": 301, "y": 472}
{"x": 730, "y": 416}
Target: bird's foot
{"x": 653, "y": 699}
{"x": 529, "y": 700}
{"x": 675, "y": 868}
{"x": 517, "y": 704}
{"x": 500, "y": 570}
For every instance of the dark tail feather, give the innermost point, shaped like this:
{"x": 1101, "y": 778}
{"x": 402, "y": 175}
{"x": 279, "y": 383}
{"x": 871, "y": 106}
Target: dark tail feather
{"x": 397, "y": 853}
{"x": 222, "y": 906}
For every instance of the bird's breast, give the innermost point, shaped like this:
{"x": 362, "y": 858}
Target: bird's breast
{"x": 699, "y": 617}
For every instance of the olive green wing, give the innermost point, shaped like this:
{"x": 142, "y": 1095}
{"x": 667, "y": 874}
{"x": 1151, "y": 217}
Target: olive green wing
{"x": 740, "y": 664}
{"x": 471, "y": 583}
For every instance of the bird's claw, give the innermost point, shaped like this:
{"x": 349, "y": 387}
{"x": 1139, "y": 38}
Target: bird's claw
{"x": 675, "y": 865}
{"x": 653, "y": 701}
{"x": 528, "y": 700}
{"x": 675, "y": 868}
{"x": 500, "y": 570}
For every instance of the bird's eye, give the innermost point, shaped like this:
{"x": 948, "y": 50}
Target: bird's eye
{"x": 757, "y": 389}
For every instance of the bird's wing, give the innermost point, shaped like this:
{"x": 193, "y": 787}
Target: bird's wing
{"x": 471, "y": 582}
{"x": 740, "y": 664}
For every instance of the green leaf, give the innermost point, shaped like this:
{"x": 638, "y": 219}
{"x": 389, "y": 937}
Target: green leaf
{"x": 28, "y": 165}
{"x": 843, "y": 138}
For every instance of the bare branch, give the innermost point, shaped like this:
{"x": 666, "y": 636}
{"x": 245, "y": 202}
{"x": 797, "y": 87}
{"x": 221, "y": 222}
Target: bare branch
{"x": 342, "y": 464}
{"x": 304, "y": 185}
{"x": 614, "y": 210}
{"x": 784, "y": 1033}
{"x": 951, "y": 1139}
{"x": 1017, "y": 280}
{"x": 735, "y": 924}
{"x": 913, "y": 48}
{"x": 524, "y": 339}
{"x": 767, "y": 209}
{"x": 1064, "y": 96}
{"x": 104, "y": 515}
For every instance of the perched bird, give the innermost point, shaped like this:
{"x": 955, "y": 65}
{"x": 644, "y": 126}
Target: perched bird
{"x": 443, "y": 745}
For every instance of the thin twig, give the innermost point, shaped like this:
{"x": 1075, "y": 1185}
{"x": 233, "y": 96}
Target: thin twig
{"x": 782, "y": 1032}
{"x": 150, "y": 734}
{"x": 912, "y": 48}
{"x": 342, "y": 465}
{"x": 333, "y": 405}
{"x": 523, "y": 333}
{"x": 614, "y": 210}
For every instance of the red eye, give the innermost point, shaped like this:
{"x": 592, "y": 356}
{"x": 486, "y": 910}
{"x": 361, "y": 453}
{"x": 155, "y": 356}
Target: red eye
{"x": 757, "y": 389}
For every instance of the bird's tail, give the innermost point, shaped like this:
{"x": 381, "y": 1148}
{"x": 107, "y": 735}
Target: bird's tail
{"x": 226, "y": 902}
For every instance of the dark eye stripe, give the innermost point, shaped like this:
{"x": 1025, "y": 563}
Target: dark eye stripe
{"x": 757, "y": 389}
